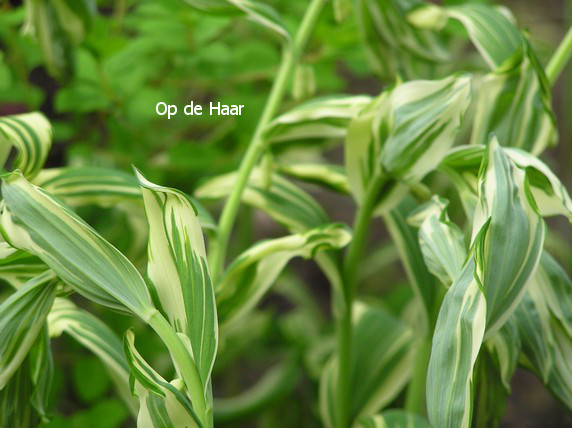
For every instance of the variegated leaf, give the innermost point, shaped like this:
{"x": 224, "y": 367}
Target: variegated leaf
{"x": 96, "y": 336}
{"x": 513, "y": 248}
{"x": 329, "y": 176}
{"x": 394, "y": 46}
{"x": 322, "y": 118}
{"x": 22, "y": 318}
{"x": 31, "y": 135}
{"x": 492, "y": 32}
{"x": 161, "y": 404}
{"x": 456, "y": 342}
{"x": 527, "y": 121}
{"x": 393, "y": 419}
{"x": 254, "y": 271}
{"x": 178, "y": 271}
{"x": 20, "y": 267}
{"x": 441, "y": 241}
{"x": 424, "y": 118}
{"x": 282, "y": 200}
{"x": 36, "y": 222}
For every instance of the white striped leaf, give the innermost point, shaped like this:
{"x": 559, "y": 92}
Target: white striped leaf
{"x": 96, "y": 336}
{"x": 424, "y": 118}
{"x": 381, "y": 364}
{"x": 527, "y": 120}
{"x": 457, "y": 339}
{"x": 253, "y": 272}
{"x": 31, "y": 135}
{"x": 178, "y": 272}
{"x": 282, "y": 200}
{"x": 34, "y": 221}
{"x": 441, "y": 241}
{"x": 544, "y": 320}
{"x": 492, "y": 32}
{"x": 20, "y": 267}
{"x": 24, "y": 399}
{"x": 161, "y": 404}
{"x": 322, "y": 118}
{"x": 462, "y": 165}
{"x": 105, "y": 187}
{"x": 393, "y": 419}
{"x": 22, "y": 317}
{"x": 330, "y": 176}
{"x": 513, "y": 249}
{"x": 394, "y": 46}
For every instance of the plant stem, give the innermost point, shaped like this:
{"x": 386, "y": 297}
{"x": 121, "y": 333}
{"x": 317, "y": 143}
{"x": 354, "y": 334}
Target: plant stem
{"x": 290, "y": 56}
{"x": 351, "y": 263}
{"x": 560, "y": 58}
{"x": 186, "y": 366}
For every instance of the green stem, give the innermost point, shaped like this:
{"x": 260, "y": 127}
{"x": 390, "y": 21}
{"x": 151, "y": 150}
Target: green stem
{"x": 290, "y": 56}
{"x": 560, "y": 58}
{"x": 186, "y": 366}
{"x": 351, "y": 263}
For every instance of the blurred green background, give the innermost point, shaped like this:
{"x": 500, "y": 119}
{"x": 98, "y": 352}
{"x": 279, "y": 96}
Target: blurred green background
{"x": 137, "y": 53}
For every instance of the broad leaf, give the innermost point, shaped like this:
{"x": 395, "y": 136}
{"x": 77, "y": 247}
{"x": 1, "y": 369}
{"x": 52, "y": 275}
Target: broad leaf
{"x": 178, "y": 271}
{"x": 31, "y": 135}
{"x": 92, "y": 333}
{"x": 394, "y": 46}
{"x": 36, "y": 222}
{"x": 441, "y": 241}
{"x": 162, "y": 404}
{"x": 22, "y": 318}
{"x": 322, "y": 118}
{"x": 254, "y": 271}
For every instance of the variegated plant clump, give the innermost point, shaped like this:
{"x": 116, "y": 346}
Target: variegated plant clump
{"x": 482, "y": 297}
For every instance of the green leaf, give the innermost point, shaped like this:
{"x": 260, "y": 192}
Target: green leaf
{"x": 96, "y": 336}
{"x": 494, "y": 35}
{"x": 394, "y": 46}
{"x": 22, "y": 317}
{"x": 41, "y": 372}
{"x": 31, "y": 135}
{"x": 323, "y": 118}
{"x": 395, "y": 418}
{"x": 441, "y": 241}
{"x": 162, "y": 404}
{"x": 252, "y": 273}
{"x": 178, "y": 271}
{"x": 381, "y": 364}
{"x": 36, "y": 222}
{"x": 504, "y": 348}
